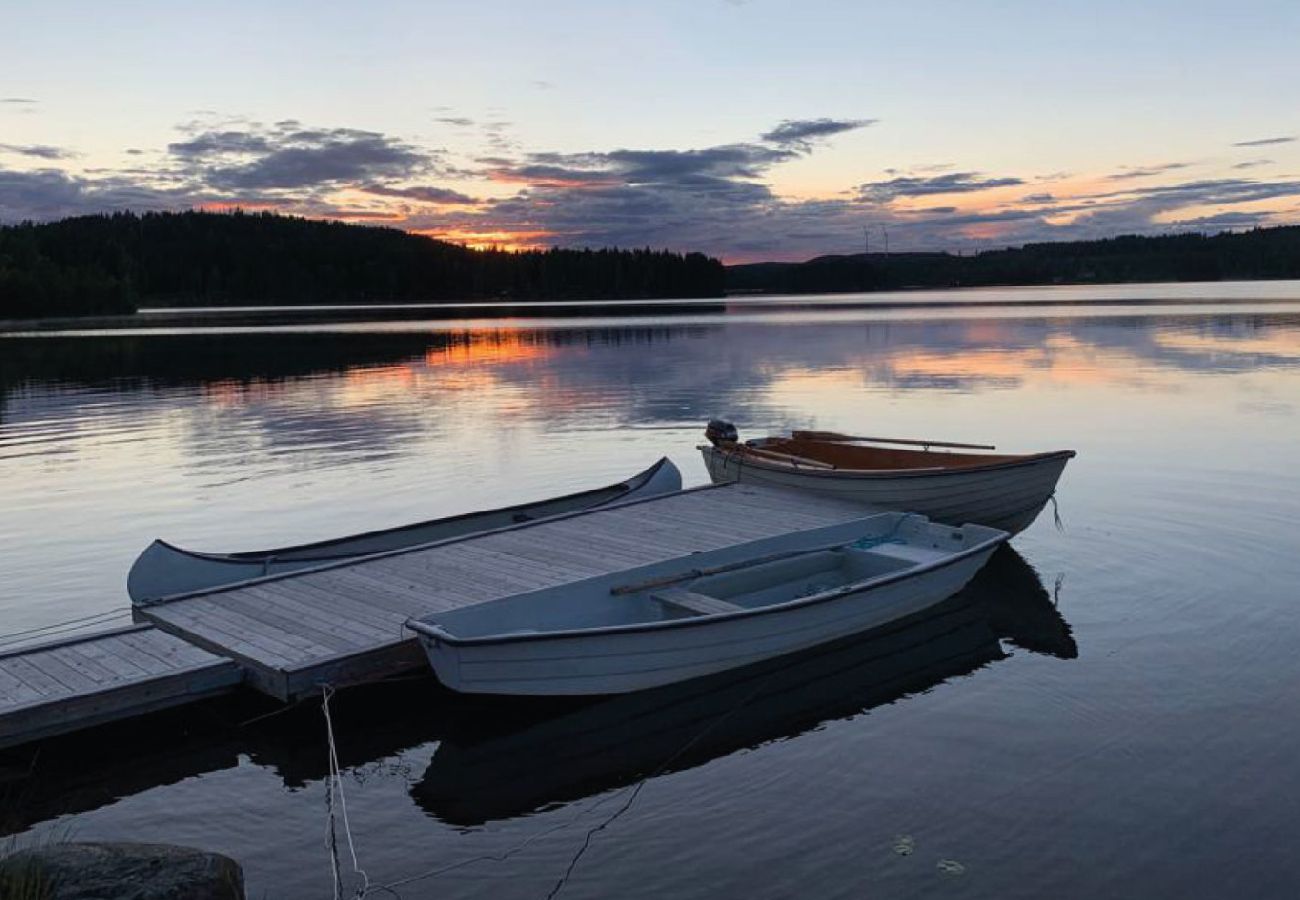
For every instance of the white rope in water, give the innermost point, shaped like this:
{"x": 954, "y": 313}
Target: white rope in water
{"x": 335, "y": 789}
{"x": 629, "y": 792}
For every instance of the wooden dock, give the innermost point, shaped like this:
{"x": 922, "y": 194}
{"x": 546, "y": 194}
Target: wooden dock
{"x": 62, "y": 686}
{"x": 344, "y": 622}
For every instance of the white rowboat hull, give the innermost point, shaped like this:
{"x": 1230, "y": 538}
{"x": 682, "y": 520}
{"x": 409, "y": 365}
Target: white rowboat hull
{"x": 632, "y": 660}
{"x": 1008, "y": 496}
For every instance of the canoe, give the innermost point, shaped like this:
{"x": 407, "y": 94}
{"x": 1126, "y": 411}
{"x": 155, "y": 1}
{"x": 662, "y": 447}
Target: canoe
{"x": 1001, "y": 491}
{"x": 704, "y": 613}
{"x": 164, "y": 569}
{"x": 531, "y": 755}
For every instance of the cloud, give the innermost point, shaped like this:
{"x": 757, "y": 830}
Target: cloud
{"x": 422, "y": 194}
{"x": 40, "y": 151}
{"x": 1223, "y": 221}
{"x": 50, "y": 194}
{"x": 799, "y": 132}
{"x": 458, "y": 121}
{"x": 25, "y": 101}
{"x": 718, "y": 199}
{"x": 220, "y": 143}
{"x": 288, "y": 155}
{"x": 1263, "y": 142}
{"x": 1146, "y": 171}
{"x": 1253, "y": 163}
{"x": 543, "y": 85}
{"x": 920, "y": 186}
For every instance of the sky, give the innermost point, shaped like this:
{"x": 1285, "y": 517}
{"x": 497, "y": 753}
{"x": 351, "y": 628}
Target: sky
{"x": 746, "y": 129}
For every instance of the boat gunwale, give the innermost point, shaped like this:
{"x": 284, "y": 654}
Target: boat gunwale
{"x": 430, "y": 630}
{"x": 253, "y": 557}
{"x": 753, "y": 461}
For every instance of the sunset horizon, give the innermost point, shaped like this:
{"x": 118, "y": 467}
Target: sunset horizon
{"x": 737, "y": 129}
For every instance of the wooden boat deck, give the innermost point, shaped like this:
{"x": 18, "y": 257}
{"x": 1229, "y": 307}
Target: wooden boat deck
{"x": 52, "y": 688}
{"x": 344, "y": 622}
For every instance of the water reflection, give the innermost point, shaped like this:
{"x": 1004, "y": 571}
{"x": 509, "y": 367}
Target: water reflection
{"x": 493, "y": 767}
{"x": 228, "y": 441}
{"x": 498, "y": 758}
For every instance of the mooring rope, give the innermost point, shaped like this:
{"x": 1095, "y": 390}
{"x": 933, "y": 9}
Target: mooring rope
{"x": 335, "y": 788}
{"x": 31, "y": 634}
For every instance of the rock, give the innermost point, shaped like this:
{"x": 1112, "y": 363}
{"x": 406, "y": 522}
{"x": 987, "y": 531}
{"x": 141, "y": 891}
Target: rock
{"x": 112, "y": 871}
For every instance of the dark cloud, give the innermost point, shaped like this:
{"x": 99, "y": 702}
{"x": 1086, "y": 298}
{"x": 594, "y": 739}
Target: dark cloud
{"x": 1253, "y": 163}
{"x": 458, "y": 121}
{"x": 1223, "y": 221}
{"x": 50, "y": 194}
{"x": 220, "y": 143}
{"x": 290, "y": 156}
{"x": 1146, "y": 171}
{"x": 800, "y": 132}
{"x": 919, "y": 186}
{"x": 1263, "y": 142}
{"x": 39, "y": 151}
{"x": 422, "y": 194}
{"x": 17, "y": 100}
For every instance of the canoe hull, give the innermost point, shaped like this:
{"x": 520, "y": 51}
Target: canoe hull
{"x": 166, "y": 570}
{"x": 1007, "y": 496}
{"x": 620, "y": 662}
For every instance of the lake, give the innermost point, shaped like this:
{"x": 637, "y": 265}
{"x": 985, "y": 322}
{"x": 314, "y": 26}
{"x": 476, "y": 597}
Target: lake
{"x": 1111, "y": 709}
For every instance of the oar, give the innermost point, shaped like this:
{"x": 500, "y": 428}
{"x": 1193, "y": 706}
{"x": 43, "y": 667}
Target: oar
{"x": 786, "y": 457}
{"x": 836, "y": 437}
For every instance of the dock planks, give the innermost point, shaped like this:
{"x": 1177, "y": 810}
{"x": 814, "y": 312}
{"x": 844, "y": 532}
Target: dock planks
{"x": 343, "y": 622}
{"x": 57, "y": 687}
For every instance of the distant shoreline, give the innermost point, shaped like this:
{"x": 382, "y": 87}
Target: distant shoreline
{"x": 1212, "y": 293}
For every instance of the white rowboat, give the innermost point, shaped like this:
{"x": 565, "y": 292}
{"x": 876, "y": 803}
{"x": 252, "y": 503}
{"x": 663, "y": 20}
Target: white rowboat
{"x": 163, "y": 569}
{"x": 704, "y": 613}
{"x": 998, "y": 490}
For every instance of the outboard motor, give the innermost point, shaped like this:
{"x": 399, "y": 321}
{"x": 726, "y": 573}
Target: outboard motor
{"x": 721, "y": 431}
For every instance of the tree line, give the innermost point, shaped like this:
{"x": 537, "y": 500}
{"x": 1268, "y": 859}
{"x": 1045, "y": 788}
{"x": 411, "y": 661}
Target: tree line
{"x": 1257, "y": 254}
{"x": 104, "y": 264}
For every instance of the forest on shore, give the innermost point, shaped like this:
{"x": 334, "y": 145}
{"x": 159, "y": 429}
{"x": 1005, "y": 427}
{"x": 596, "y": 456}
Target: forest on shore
{"x": 1262, "y": 253}
{"x": 109, "y": 264}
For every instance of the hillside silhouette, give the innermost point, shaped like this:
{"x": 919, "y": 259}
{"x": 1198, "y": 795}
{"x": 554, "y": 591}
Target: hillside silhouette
{"x": 1263, "y": 253}
{"x": 104, "y": 264}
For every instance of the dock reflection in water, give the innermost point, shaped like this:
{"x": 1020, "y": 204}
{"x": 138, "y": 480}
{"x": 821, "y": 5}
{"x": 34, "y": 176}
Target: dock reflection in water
{"x": 482, "y": 771}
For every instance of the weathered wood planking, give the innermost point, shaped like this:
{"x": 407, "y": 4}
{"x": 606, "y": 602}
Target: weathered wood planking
{"x": 343, "y": 622}
{"x": 65, "y": 685}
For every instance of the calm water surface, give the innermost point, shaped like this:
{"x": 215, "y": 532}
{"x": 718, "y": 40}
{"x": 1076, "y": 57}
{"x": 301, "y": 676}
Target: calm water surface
{"x": 1112, "y": 709}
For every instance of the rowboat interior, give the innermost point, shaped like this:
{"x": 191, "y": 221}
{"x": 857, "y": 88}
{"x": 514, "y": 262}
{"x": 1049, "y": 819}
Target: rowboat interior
{"x": 762, "y": 574}
{"x": 844, "y": 455}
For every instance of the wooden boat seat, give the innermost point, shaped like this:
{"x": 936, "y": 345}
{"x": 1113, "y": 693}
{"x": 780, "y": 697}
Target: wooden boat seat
{"x": 693, "y": 603}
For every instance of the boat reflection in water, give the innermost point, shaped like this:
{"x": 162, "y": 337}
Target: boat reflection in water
{"x": 490, "y": 767}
